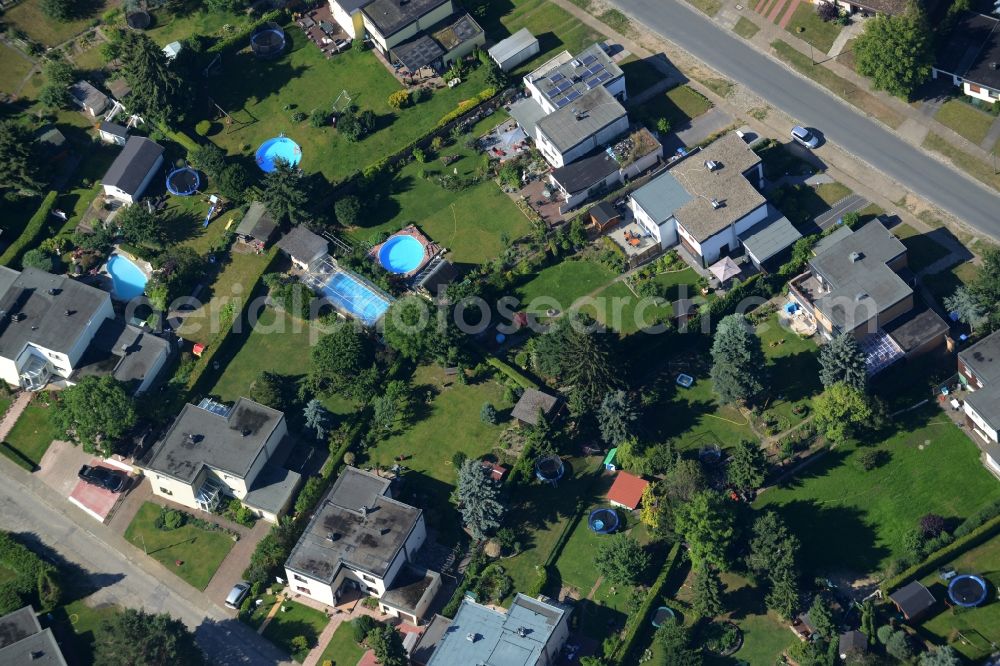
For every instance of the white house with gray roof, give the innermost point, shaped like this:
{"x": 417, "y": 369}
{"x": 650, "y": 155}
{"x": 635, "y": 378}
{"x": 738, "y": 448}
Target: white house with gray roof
{"x": 362, "y": 541}
{"x": 979, "y": 373}
{"x": 132, "y": 171}
{"x": 23, "y": 641}
{"x": 213, "y": 452}
{"x": 705, "y": 202}
{"x": 531, "y": 632}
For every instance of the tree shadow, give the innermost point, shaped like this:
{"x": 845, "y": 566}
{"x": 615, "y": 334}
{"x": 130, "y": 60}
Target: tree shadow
{"x": 233, "y": 642}
{"x": 76, "y": 581}
{"x": 797, "y": 374}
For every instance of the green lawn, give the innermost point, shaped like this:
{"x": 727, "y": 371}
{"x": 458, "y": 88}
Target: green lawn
{"x": 821, "y": 34}
{"x": 793, "y": 363}
{"x": 851, "y": 519}
{"x": 965, "y": 119}
{"x": 453, "y": 220}
{"x": 171, "y": 24}
{"x": 746, "y": 28}
{"x": 34, "y": 432}
{"x": 555, "y": 28}
{"x": 448, "y": 423}
{"x": 232, "y": 283}
{"x": 199, "y": 551}
{"x": 710, "y": 7}
{"x": 978, "y": 625}
{"x": 576, "y": 563}
{"x": 640, "y": 74}
{"x": 261, "y": 96}
{"x": 13, "y": 68}
{"x": 620, "y": 309}
{"x": 678, "y": 105}
{"x": 297, "y": 620}
{"x": 944, "y": 283}
{"x": 831, "y": 193}
{"x": 82, "y": 620}
{"x": 277, "y": 343}
{"x": 342, "y": 650}
{"x": 560, "y": 285}
{"x": 29, "y": 17}
{"x": 921, "y": 249}
{"x": 765, "y": 635}
{"x": 260, "y": 613}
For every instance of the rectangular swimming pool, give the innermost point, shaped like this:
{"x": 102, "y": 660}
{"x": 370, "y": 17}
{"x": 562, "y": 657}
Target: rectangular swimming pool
{"x": 353, "y": 297}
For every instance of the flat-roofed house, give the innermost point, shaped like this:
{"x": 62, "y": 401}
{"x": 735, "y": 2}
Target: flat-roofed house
{"x": 213, "y": 452}
{"x": 571, "y": 132}
{"x": 360, "y": 539}
{"x": 979, "y": 372}
{"x": 133, "y": 170}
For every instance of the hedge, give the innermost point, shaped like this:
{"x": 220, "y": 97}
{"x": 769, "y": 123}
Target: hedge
{"x": 180, "y": 137}
{"x": 16, "y": 456}
{"x": 949, "y": 552}
{"x": 32, "y": 233}
{"x": 242, "y": 36}
{"x": 511, "y": 373}
{"x": 637, "y": 621}
{"x": 467, "y": 105}
{"x": 223, "y": 337}
{"x": 757, "y": 286}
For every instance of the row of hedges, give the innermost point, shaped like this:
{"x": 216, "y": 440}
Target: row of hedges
{"x": 477, "y": 563}
{"x": 758, "y": 286}
{"x": 181, "y": 138}
{"x": 241, "y": 38}
{"x": 466, "y": 105}
{"x": 977, "y": 536}
{"x": 227, "y": 319}
{"x": 511, "y": 373}
{"x": 638, "y": 620}
{"x": 32, "y": 233}
{"x": 33, "y": 581}
{"x": 16, "y": 456}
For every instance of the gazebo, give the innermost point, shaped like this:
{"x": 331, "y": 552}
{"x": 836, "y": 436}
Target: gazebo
{"x": 724, "y": 270}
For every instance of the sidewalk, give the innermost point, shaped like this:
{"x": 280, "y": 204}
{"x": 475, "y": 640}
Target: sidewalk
{"x": 738, "y": 102}
{"x": 13, "y": 413}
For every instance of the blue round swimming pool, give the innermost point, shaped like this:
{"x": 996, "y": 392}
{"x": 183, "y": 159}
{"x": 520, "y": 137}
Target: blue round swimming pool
{"x": 401, "y": 254}
{"x": 278, "y": 148}
{"x": 127, "y": 280}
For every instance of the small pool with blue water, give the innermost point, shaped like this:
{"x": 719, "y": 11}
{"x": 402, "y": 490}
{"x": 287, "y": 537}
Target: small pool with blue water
{"x": 278, "y": 148}
{"x": 401, "y": 254}
{"x": 128, "y": 280}
{"x": 353, "y": 297}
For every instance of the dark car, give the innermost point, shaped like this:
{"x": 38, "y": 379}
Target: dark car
{"x": 102, "y": 477}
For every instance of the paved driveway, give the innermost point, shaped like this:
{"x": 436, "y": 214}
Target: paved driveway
{"x": 813, "y": 106}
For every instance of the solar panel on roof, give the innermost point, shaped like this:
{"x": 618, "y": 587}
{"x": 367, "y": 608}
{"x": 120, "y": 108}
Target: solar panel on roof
{"x": 560, "y": 102}
{"x": 603, "y": 76}
{"x": 565, "y": 85}
{"x": 558, "y": 76}
{"x": 592, "y": 83}
{"x": 573, "y": 94}
{"x": 589, "y": 59}
{"x": 599, "y": 67}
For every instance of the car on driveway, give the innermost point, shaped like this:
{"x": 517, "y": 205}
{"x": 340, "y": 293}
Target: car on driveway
{"x": 102, "y": 477}
{"x": 237, "y": 595}
{"x": 804, "y": 137}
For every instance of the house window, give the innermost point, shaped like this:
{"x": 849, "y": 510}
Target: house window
{"x": 974, "y": 88}
{"x": 165, "y": 491}
{"x": 372, "y": 590}
{"x": 368, "y": 578}
{"x": 304, "y": 590}
{"x": 299, "y": 578}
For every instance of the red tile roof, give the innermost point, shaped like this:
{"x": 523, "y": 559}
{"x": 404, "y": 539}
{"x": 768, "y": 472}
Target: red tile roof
{"x": 627, "y": 490}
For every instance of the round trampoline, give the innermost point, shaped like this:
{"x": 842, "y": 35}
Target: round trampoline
{"x": 278, "y": 148}
{"x": 268, "y": 40}
{"x": 967, "y": 591}
{"x": 183, "y": 182}
{"x": 401, "y": 254}
{"x": 549, "y": 468}
{"x": 138, "y": 20}
{"x": 603, "y": 520}
{"x": 662, "y": 615}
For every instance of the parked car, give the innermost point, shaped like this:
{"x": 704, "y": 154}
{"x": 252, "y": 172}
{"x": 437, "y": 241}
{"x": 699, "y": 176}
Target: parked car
{"x": 804, "y": 137}
{"x": 102, "y": 477}
{"x": 237, "y": 595}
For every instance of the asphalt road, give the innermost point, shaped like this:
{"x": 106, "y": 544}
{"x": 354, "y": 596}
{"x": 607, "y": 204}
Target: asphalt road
{"x": 120, "y": 581}
{"x": 813, "y": 106}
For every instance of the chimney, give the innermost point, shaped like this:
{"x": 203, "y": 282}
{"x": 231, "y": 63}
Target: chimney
{"x": 860, "y": 296}
{"x": 716, "y": 204}
{"x": 856, "y": 257}
{"x": 711, "y": 165}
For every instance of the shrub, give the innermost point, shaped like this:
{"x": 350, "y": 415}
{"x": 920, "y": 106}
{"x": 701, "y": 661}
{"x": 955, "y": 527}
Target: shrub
{"x": 458, "y": 459}
{"x": 488, "y": 413}
{"x": 319, "y": 118}
{"x": 298, "y": 117}
{"x": 32, "y": 232}
{"x": 170, "y": 519}
{"x": 203, "y": 127}
{"x": 437, "y": 143}
{"x": 399, "y": 99}
{"x": 871, "y": 459}
{"x": 827, "y": 11}
{"x": 883, "y": 633}
{"x": 361, "y": 626}
{"x": 419, "y": 155}
{"x": 300, "y": 644}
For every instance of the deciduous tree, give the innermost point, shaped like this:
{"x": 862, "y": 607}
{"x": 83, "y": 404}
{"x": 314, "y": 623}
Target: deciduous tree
{"x": 478, "y": 497}
{"x": 138, "y": 225}
{"x": 269, "y": 389}
{"x": 137, "y": 638}
{"x": 36, "y": 258}
{"x": 413, "y": 329}
{"x": 706, "y": 524}
{"x": 895, "y": 52}
{"x": 737, "y": 361}
{"x": 621, "y": 559}
{"x": 843, "y": 411}
{"x": 841, "y": 360}
{"x": 96, "y": 412}
{"x": 348, "y": 210}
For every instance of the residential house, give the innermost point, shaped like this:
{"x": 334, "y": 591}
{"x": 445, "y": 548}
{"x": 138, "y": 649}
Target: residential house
{"x": 213, "y": 452}
{"x": 132, "y": 355}
{"x": 439, "y": 45}
{"x": 518, "y": 48}
{"x": 23, "y": 641}
{"x": 880, "y": 7}
{"x": 769, "y": 242}
{"x": 565, "y": 78}
{"x": 119, "y": 89}
{"x": 971, "y": 55}
{"x": 361, "y": 540}
{"x": 626, "y": 491}
{"x": 90, "y": 100}
{"x": 532, "y": 403}
{"x": 605, "y": 170}
{"x": 979, "y": 372}
{"x": 707, "y": 202}
{"x": 132, "y": 171}
{"x": 531, "y": 632}
{"x": 47, "y": 322}
{"x": 852, "y": 644}
{"x": 858, "y": 283}
{"x": 112, "y": 133}
{"x": 257, "y": 227}
{"x": 913, "y": 600}
{"x": 303, "y": 247}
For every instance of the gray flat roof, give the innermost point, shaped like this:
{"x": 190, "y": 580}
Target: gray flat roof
{"x": 511, "y": 46}
{"x": 527, "y": 112}
{"x": 986, "y": 403}
{"x": 861, "y": 281}
{"x": 725, "y": 183}
{"x": 770, "y": 236}
{"x": 586, "y": 116}
{"x": 410, "y": 586}
{"x": 133, "y": 164}
{"x": 230, "y": 442}
{"x": 429, "y": 640}
{"x": 832, "y": 239}
{"x": 565, "y": 78}
{"x": 38, "y": 649}
{"x": 418, "y": 52}
{"x": 481, "y": 635}
{"x": 46, "y": 310}
{"x": 661, "y": 197}
{"x": 455, "y": 30}
{"x": 916, "y": 328}
{"x": 356, "y": 524}
{"x": 17, "y": 625}
{"x": 983, "y": 358}
{"x": 272, "y": 489}
{"x": 391, "y": 16}
{"x": 257, "y": 223}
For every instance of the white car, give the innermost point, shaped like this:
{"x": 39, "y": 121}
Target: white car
{"x": 804, "y": 137}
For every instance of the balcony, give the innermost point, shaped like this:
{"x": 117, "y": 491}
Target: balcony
{"x": 35, "y": 374}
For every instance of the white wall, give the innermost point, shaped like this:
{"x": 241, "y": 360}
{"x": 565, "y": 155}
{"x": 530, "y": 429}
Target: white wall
{"x": 711, "y": 248}
{"x": 574, "y": 199}
{"x": 122, "y": 195}
{"x": 521, "y": 56}
{"x": 558, "y": 638}
{"x": 981, "y": 425}
{"x": 665, "y": 234}
{"x": 151, "y": 374}
{"x": 312, "y": 588}
{"x": 386, "y": 42}
{"x": 643, "y": 163}
{"x": 979, "y": 92}
{"x": 343, "y": 19}
{"x": 174, "y": 489}
{"x": 991, "y": 464}
{"x": 603, "y": 136}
